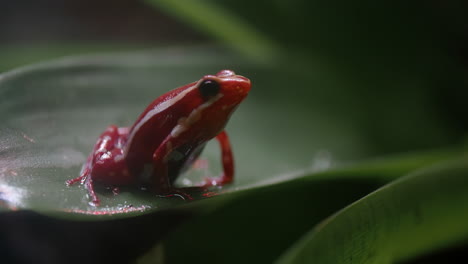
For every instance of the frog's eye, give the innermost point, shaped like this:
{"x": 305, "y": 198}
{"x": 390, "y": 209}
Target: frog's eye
{"x": 209, "y": 88}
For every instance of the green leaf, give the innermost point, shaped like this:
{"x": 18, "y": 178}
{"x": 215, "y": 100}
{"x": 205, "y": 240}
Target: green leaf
{"x": 223, "y": 24}
{"x": 423, "y": 211}
{"x": 16, "y": 55}
{"x": 53, "y": 112}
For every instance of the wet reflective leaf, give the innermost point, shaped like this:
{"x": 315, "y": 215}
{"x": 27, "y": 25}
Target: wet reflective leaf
{"x": 53, "y": 112}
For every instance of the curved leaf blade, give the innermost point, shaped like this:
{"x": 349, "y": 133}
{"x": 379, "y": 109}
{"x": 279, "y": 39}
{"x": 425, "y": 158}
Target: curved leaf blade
{"x": 52, "y": 113}
{"x": 421, "y": 212}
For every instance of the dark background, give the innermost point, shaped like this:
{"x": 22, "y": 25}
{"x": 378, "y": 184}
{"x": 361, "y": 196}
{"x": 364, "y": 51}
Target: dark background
{"x": 120, "y": 21}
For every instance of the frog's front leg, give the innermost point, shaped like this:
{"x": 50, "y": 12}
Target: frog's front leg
{"x": 105, "y": 163}
{"x": 227, "y": 160}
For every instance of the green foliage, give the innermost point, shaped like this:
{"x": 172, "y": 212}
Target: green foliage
{"x": 423, "y": 211}
{"x": 229, "y": 28}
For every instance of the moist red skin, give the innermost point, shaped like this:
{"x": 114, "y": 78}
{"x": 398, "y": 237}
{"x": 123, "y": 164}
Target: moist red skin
{"x": 153, "y": 153}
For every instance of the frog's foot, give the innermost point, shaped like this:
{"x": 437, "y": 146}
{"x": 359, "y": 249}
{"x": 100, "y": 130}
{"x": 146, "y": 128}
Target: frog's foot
{"x": 82, "y": 178}
{"x": 211, "y": 182}
{"x": 90, "y": 187}
{"x": 75, "y": 180}
{"x": 85, "y": 178}
{"x": 180, "y": 193}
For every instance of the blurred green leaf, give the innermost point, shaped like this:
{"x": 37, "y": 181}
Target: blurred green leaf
{"x": 421, "y": 212}
{"x": 19, "y": 55}
{"x": 231, "y": 29}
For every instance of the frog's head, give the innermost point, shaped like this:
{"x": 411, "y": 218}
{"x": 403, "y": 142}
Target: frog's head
{"x": 220, "y": 94}
{"x": 224, "y": 91}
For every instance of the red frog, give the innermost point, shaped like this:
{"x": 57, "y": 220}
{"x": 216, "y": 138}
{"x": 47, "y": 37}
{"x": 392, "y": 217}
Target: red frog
{"x": 168, "y": 137}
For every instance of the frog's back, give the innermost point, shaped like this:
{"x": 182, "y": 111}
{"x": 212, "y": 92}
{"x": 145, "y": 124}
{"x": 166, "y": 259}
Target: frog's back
{"x": 154, "y": 125}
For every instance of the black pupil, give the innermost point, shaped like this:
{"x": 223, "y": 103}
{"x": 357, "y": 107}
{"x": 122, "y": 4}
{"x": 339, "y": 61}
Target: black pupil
{"x": 209, "y": 88}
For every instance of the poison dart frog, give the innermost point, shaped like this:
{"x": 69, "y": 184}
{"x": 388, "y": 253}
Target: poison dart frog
{"x": 167, "y": 138}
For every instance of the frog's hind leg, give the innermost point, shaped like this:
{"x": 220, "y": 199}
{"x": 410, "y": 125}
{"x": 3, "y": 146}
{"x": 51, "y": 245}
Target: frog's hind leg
{"x": 85, "y": 178}
{"x": 108, "y": 145}
{"x": 85, "y": 171}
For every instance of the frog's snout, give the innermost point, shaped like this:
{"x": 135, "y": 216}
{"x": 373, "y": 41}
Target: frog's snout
{"x": 237, "y": 84}
{"x": 244, "y": 85}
